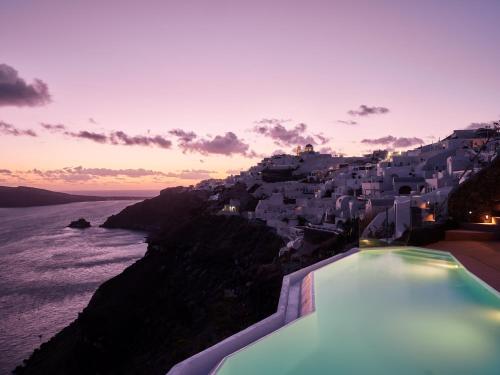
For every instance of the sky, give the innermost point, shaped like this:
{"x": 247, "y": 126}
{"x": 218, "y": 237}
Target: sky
{"x": 149, "y": 94}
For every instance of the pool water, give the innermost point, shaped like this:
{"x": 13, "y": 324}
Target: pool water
{"x": 398, "y": 311}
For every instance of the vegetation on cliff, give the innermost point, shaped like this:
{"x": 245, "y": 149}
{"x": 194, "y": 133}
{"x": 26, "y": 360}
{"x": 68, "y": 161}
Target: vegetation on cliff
{"x": 476, "y": 197}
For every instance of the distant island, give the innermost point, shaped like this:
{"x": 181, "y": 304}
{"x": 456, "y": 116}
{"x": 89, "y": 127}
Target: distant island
{"x": 24, "y": 196}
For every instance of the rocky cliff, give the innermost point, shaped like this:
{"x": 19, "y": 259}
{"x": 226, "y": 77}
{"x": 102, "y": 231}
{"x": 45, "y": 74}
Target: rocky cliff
{"x": 207, "y": 279}
{"x": 476, "y": 197}
{"x": 203, "y": 278}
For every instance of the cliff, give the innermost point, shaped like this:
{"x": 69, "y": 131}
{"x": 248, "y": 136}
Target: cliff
{"x": 203, "y": 281}
{"x": 479, "y": 195}
{"x": 23, "y": 196}
{"x": 173, "y": 207}
{"x": 203, "y": 278}
{"x": 176, "y": 206}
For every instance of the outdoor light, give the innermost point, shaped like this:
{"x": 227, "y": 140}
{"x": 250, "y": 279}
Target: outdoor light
{"x": 470, "y": 212}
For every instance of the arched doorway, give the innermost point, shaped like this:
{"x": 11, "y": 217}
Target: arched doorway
{"x": 404, "y": 190}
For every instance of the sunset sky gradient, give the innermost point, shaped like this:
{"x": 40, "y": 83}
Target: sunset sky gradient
{"x": 149, "y": 94}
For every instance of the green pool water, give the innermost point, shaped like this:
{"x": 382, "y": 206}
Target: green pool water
{"x": 399, "y": 311}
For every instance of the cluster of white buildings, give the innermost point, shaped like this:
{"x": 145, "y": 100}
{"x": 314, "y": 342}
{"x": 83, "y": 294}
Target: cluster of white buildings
{"x": 383, "y": 190}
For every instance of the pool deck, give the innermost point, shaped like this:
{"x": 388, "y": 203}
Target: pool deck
{"x": 482, "y": 258}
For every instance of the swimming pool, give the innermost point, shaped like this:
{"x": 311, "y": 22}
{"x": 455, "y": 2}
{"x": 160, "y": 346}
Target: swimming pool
{"x": 390, "y": 311}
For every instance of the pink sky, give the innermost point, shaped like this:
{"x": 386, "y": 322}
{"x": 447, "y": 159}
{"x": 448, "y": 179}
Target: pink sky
{"x": 144, "y": 68}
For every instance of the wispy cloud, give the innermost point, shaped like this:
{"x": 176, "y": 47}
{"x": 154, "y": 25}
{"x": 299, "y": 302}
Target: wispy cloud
{"x": 121, "y": 138}
{"x": 394, "y": 142}
{"x": 283, "y": 137}
{"x": 5, "y": 171}
{"x": 347, "y": 122}
{"x": 15, "y": 91}
{"x": 478, "y": 125}
{"x": 191, "y": 174}
{"x": 81, "y": 175}
{"x": 53, "y": 127}
{"x": 9, "y": 129}
{"x": 365, "y": 110}
{"x": 233, "y": 171}
{"x": 114, "y": 138}
{"x": 183, "y": 136}
{"x": 327, "y": 150}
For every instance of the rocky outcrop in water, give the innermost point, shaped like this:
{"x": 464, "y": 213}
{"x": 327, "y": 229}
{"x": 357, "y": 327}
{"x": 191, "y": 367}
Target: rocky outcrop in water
{"x": 81, "y": 223}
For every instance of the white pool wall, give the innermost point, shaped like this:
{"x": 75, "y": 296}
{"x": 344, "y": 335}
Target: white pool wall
{"x": 291, "y": 306}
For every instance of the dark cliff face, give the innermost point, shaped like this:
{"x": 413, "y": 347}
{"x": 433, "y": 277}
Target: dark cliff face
{"x": 203, "y": 278}
{"x": 479, "y": 195}
{"x": 173, "y": 207}
{"x": 199, "y": 283}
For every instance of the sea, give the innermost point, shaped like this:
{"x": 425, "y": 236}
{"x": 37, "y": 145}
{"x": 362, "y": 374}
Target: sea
{"x": 48, "y": 272}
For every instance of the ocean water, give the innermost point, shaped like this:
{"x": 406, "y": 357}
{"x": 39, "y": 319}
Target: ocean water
{"x": 48, "y": 272}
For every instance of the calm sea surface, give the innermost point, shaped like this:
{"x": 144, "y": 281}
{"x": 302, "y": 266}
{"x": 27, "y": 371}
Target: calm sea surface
{"x": 49, "y": 272}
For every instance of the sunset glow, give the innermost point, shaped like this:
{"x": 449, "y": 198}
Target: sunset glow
{"x": 127, "y": 95}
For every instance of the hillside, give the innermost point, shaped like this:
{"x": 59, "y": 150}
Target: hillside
{"x": 203, "y": 278}
{"x": 198, "y": 284}
{"x": 23, "y": 196}
{"x": 479, "y": 195}
{"x": 175, "y": 206}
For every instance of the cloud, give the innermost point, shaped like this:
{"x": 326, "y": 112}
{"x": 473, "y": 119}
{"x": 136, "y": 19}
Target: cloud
{"x": 96, "y": 137}
{"x": 477, "y": 125}
{"x": 121, "y": 138}
{"x": 114, "y": 138}
{"x": 74, "y": 174}
{"x": 283, "y": 137}
{"x": 9, "y": 129}
{"x": 182, "y": 135}
{"x": 326, "y": 150}
{"x": 394, "y": 142}
{"x": 233, "y": 171}
{"x": 227, "y": 144}
{"x": 365, "y": 110}
{"x": 5, "y": 171}
{"x": 380, "y": 141}
{"x": 191, "y": 174}
{"x": 81, "y": 174}
{"x": 92, "y": 121}
{"x": 322, "y": 138}
{"x": 407, "y": 142}
{"x": 53, "y": 127}
{"x": 14, "y": 90}
{"x": 347, "y": 122}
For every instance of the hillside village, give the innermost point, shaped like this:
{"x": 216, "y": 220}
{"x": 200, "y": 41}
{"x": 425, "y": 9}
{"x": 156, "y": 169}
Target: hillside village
{"x": 385, "y": 193}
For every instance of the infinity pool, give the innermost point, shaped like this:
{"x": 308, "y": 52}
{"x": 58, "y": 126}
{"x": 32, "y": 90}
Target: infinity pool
{"x": 395, "y": 311}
